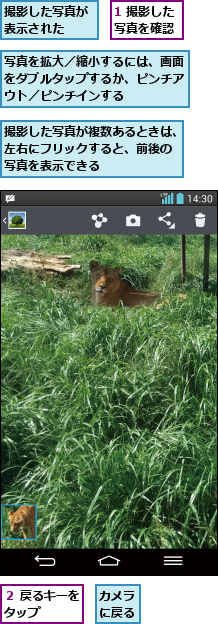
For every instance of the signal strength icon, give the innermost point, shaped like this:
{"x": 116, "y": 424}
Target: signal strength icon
{"x": 169, "y": 199}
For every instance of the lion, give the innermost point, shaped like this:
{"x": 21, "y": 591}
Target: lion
{"x": 23, "y": 519}
{"x": 109, "y": 290}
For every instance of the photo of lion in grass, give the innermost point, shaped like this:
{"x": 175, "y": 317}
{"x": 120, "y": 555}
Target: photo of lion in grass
{"x": 24, "y": 519}
{"x": 108, "y": 289}
{"x": 109, "y": 392}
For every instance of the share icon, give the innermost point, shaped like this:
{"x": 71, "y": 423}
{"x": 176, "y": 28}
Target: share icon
{"x": 168, "y": 214}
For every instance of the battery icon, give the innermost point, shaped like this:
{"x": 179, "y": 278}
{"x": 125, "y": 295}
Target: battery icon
{"x": 180, "y": 198}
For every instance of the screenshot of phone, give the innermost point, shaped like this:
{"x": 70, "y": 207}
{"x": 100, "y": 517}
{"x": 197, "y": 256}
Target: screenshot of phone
{"x": 108, "y": 385}
{"x": 109, "y": 347}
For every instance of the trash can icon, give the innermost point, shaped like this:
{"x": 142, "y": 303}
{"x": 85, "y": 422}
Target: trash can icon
{"x": 200, "y": 220}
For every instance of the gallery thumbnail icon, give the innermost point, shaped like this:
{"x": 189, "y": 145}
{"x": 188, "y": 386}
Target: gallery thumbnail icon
{"x": 17, "y": 220}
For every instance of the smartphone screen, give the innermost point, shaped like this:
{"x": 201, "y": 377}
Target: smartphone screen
{"x": 108, "y": 383}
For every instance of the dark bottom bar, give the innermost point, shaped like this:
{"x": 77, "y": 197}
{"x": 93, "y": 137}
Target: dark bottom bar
{"x": 112, "y": 562}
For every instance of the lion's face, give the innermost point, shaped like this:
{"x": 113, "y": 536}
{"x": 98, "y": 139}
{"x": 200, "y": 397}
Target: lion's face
{"x": 104, "y": 279}
{"x": 16, "y": 520}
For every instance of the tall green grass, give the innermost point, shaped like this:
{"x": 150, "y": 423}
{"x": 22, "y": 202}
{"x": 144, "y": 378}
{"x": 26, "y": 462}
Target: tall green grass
{"x": 110, "y": 414}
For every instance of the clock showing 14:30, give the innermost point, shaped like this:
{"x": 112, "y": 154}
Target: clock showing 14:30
{"x": 201, "y": 199}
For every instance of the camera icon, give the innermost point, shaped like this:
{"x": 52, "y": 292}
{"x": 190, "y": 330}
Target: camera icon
{"x": 133, "y": 221}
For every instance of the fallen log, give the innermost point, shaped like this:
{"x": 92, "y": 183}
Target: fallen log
{"x": 14, "y": 258}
